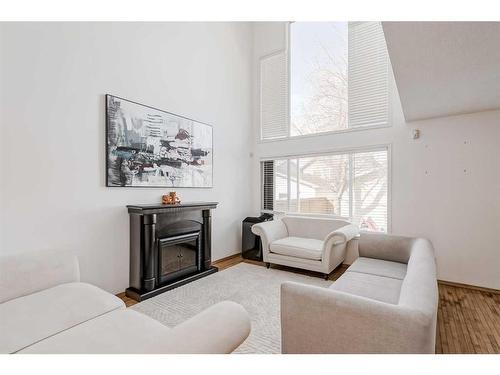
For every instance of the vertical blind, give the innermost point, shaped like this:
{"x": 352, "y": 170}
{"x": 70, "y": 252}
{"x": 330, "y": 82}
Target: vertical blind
{"x": 352, "y": 185}
{"x": 268, "y": 185}
{"x": 368, "y": 83}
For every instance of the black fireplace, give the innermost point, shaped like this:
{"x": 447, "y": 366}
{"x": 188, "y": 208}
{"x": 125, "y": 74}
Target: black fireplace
{"x": 170, "y": 245}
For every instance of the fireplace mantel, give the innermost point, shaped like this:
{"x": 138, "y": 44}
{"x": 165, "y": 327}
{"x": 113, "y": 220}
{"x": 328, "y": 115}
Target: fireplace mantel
{"x": 145, "y": 209}
{"x": 151, "y": 229}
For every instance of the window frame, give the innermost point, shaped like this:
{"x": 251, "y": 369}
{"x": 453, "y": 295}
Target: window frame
{"x": 351, "y": 150}
{"x": 287, "y": 51}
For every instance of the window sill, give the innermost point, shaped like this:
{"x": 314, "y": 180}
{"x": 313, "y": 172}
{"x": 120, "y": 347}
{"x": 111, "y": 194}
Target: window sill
{"x": 323, "y": 134}
{"x": 328, "y": 216}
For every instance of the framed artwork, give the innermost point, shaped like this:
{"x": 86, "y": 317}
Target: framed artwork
{"x": 148, "y": 147}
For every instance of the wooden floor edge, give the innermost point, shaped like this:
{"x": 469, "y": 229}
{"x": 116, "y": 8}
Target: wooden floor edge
{"x": 214, "y": 263}
{"x": 468, "y": 286}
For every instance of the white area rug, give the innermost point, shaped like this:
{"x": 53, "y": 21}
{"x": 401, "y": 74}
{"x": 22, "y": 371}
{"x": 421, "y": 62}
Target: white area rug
{"x": 256, "y": 288}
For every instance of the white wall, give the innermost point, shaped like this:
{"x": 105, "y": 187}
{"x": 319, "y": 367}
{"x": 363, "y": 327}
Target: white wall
{"x": 445, "y": 185}
{"x": 53, "y": 80}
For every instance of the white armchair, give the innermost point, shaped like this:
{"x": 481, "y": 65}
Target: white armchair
{"x": 314, "y": 244}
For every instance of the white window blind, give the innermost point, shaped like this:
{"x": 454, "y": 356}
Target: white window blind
{"x": 274, "y": 96}
{"x": 353, "y": 185}
{"x": 368, "y": 75}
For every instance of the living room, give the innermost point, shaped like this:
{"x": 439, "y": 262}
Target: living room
{"x": 294, "y": 184}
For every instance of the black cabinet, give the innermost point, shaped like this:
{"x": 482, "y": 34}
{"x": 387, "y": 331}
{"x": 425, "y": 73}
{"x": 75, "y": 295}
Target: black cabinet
{"x": 251, "y": 246}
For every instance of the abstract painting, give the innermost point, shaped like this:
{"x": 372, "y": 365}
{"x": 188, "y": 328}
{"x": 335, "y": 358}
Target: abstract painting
{"x": 148, "y": 147}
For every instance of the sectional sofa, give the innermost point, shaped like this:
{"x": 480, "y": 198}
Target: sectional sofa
{"x": 44, "y": 308}
{"x": 386, "y": 302}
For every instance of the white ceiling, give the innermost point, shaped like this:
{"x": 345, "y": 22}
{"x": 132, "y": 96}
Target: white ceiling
{"x": 445, "y": 68}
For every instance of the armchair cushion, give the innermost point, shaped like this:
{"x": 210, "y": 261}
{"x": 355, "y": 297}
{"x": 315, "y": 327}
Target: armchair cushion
{"x": 379, "y": 267}
{"x": 305, "y": 248}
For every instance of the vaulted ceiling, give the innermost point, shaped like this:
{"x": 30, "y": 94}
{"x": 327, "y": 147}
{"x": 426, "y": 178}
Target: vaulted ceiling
{"x": 445, "y": 68}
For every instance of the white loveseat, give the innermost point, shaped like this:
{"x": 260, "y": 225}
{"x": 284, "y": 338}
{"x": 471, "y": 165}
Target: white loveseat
{"x": 44, "y": 308}
{"x": 386, "y": 302}
{"x": 315, "y": 244}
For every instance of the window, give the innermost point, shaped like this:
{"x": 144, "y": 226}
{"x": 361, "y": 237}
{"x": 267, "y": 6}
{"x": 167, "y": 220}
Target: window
{"x": 318, "y": 77}
{"x": 333, "y": 76}
{"x": 353, "y": 185}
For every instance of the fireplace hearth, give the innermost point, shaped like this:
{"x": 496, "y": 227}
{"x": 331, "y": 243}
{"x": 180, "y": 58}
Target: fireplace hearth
{"x": 170, "y": 245}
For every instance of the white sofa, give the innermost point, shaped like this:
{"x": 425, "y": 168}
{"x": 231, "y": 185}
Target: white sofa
{"x": 386, "y": 302}
{"x": 44, "y": 308}
{"x": 315, "y": 244}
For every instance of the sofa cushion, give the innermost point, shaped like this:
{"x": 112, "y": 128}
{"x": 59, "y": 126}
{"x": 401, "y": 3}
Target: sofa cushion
{"x": 119, "y": 332}
{"x": 305, "y": 248}
{"x": 380, "y": 288}
{"x": 219, "y": 329}
{"x": 29, "y": 319}
{"x": 379, "y": 267}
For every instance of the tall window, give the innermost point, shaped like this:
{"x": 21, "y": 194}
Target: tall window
{"x": 318, "y": 77}
{"x": 353, "y": 185}
{"x": 333, "y": 76}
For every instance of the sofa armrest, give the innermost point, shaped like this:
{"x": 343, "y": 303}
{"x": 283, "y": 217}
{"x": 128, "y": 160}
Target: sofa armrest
{"x": 321, "y": 320}
{"x": 220, "y": 329}
{"x": 269, "y": 231}
{"x": 29, "y": 272}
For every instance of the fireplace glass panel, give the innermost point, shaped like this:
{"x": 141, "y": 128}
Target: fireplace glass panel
{"x": 178, "y": 257}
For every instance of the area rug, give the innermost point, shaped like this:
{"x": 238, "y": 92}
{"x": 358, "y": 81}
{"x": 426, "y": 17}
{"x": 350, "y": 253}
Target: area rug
{"x": 256, "y": 288}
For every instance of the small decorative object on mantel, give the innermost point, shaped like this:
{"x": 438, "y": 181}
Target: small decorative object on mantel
{"x": 170, "y": 198}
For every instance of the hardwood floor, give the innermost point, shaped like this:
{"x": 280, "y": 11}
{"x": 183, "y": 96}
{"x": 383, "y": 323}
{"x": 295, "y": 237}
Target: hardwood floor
{"x": 128, "y": 301}
{"x": 468, "y": 317}
{"x": 468, "y": 320}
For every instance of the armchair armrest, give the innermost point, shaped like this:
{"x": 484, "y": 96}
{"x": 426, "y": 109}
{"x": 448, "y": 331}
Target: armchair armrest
{"x": 342, "y": 235}
{"x": 321, "y": 320}
{"x": 29, "y": 272}
{"x": 335, "y": 244}
{"x": 219, "y": 329}
{"x": 270, "y": 231}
